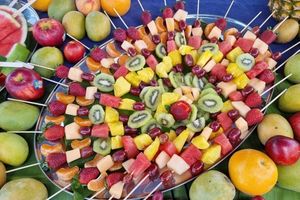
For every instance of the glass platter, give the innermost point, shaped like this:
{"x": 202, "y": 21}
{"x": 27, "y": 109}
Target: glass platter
{"x": 148, "y": 185}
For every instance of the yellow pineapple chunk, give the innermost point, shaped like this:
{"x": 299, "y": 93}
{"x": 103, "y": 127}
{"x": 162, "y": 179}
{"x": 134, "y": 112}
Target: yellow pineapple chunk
{"x": 116, "y": 128}
{"x": 116, "y": 142}
{"x": 176, "y": 57}
{"x": 133, "y": 78}
{"x": 146, "y": 74}
{"x": 121, "y": 87}
{"x": 111, "y": 115}
{"x": 212, "y": 154}
{"x": 127, "y": 104}
{"x": 168, "y": 98}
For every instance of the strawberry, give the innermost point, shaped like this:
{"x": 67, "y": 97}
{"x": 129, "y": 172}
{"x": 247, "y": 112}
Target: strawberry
{"x": 267, "y": 76}
{"x": 254, "y": 117}
{"x": 133, "y": 33}
{"x": 54, "y": 132}
{"x": 76, "y": 89}
{"x": 167, "y": 13}
{"x": 236, "y": 96}
{"x": 56, "y": 160}
{"x": 57, "y": 108}
{"x": 113, "y": 178}
{"x": 62, "y": 71}
{"x": 253, "y": 100}
{"x": 88, "y": 174}
{"x": 98, "y": 54}
{"x": 179, "y": 5}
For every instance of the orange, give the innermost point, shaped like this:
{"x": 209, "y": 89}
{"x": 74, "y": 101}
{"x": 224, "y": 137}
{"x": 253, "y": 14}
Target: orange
{"x": 121, "y": 6}
{"x": 41, "y": 5}
{"x": 252, "y": 172}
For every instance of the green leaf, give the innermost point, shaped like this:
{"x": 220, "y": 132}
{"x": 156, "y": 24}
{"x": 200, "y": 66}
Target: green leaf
{"x": 80, "y": 191}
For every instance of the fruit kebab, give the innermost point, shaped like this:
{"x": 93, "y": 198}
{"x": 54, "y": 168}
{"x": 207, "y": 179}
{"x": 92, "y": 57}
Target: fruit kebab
{"x": 221, "y": 23}
{"x": 282, "y": 64}
{"x": 256, "y": 29}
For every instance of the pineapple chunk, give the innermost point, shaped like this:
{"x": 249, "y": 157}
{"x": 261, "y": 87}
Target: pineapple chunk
{"x": 75, "y": 74}
{"x": 170, "y": 24}
{"x": 261, "y": 46}
{"x": 177, "y": 164}
{"x": 258, "y": 85}
{"x": 168, "y": 63}
{"x": 126, "y": 45}
{"x": 197, "y": 31}
{"x": 215, "y": 33}
{"x": 200, "y": 142}
{"x": 152, "y": 149}
{"x": 241, "y": 107}
{"x": 180, "y": 15}
{"x": 204, "y": 58}
{"x": 116, "y": 142}
{"x": 111, "y": 115}
{"x": 185, "y": 49}
{"x": 72, "y": 131}
{"x": 176, "y": 57}
{"x": 160, "y": 70}
{"x": 72, "y": 109}
{"x": 162, "y": 159}
{"x": 133, "y": 79}
{"x": 241, "y": 81}
{"x": 168, "y": 98}
{"x": 210, "y": 65}
{"x": 142, "y": 141}
{"x": 152, "y": 28}
{"x": 227, "y": 106}
{"x": 90, "y": 92}
{"x": 105, "y": 164}
{"x": 227, "y": 88}
{"x": 121, "y": 87}
{"x": 233, "y": 54}
{"x": 73, "y": 155}
{"x": 140, "y": 44}
{"x": 180, "y": 140}
{"x": 172, "y": 135}
{"x": 107, "y": 62}
{"x": 242, "y": 125}
{"x": 212, "y": 154}
{"x": 250, "y": 36}
{"x": 218, "y": 56}
{"x": 146, "y": 74}
{"x": 116, "y": 128}
{"x": 127, "y": 104}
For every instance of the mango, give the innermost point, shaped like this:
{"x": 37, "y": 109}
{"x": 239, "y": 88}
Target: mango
{"x": 97, "y": 26}
{"x": 289, "y": 102}
{"x": 74, "y": 24}
{"x": 58, "y": 8}
{"x": 292, "y": 67}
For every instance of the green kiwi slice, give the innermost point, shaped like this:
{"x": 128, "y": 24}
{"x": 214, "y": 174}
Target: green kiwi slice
{"x": 176, "y": 79}
{"x": 143, "y": 92}
{"x": 211, "y": 103}
{"x": 209, "y": 85}
{"x": 165, "y": 120}
{"x": 135, "y": 63}
{"x": 203, "y": 114}
{"x": 150, "y": 125}
{"x": 96, "y": 114}
{"x": 193, "y": 115}
{"x": 197, "y": 125}
{"x": 188, "y": 79}
{"x": 180, "y": 39}
{"x": 245, "y": 61}
{"x": 102, "y": 146}
{"x": 104, "y": 82}
{"x": 199, "y": 82}
{"x": 212, "y": 47}
{"x": 161, "y": 50}
{"x": 152, "y": 97}
{"x": 163, "y": 87}
{"x": 207, "y": 91}
{"x": 139, "y": 119}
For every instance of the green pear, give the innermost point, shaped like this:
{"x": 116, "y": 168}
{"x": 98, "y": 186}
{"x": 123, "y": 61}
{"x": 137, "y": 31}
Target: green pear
{"x": 97, "y": 26}
{"x": 74, "y": 24}
{"x": 2, "y": 174}
{"x": 288, "y": 176}
{"x": 58, "y": 8}
{"x": 290, "y": 101}
{"x": 13, "y": 149}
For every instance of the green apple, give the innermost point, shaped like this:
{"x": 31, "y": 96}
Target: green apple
{"x": 2, "y": 174}
{"x": 289, "y": 101}
{"x": 288, "y": 176}
{"x": 13, "y": 149}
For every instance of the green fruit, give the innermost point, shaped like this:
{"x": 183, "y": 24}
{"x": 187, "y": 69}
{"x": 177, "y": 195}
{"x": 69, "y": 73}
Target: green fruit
{"x": 104, "y": 82}
{"x": 139, "y": 119}
{"x": 165, "y": 119}
{"x": 207, "y": 91}
{"x": 150, "y": 125}
{"x": 102, "y": 146}
{"x": 176, "y": 79}
{"x": 97, "y": 26}
{"x": 212, "y": 185}
{"x": 245, "y": 61}
{"x": 292, "y": 67}
{"x": 197, "y": 125}
{"x": 2, "y": 174}
{"x": 13, "y": 149}
{"x": 143, "y": 92}
{"x": 58, "y": 8}
{"x": 212, "y": 47}
{"x": 192, "y": 116}
{"x": 180, "y": 39}
{"x": 288, "y": 102}
{"x": 152, "y": 97}
{"x": 160, "y": 50}
{"x": 96, "y": 114}
{"x": 288, "y": 176}
{"x": 74, "y": 24}
{"x": 199, "y": 82}
{"x": 188, "y": 79}
{"x": 135, "y": 63}
{"x": 287, "y": 31}
{"x": 49, "y": 57}
{"x": 24, "y": 189}
{"x": 208, "y": 85}
{"x": 211, "y": 103}
{"x": 272, "y": 125}
{"x": 18, "y": 116}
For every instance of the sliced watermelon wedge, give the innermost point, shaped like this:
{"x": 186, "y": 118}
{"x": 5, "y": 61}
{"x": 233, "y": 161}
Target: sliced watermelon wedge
{"x": 8, "y": 24}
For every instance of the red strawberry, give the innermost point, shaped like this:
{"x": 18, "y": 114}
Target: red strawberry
{"x": 113, "y": 178}
{"x": 179, "y": 5}
{"x": 98, "y": 54}
{"x": 88, "y": 174}
{"x": 267, "y": 76}
{"x": 253, "y": 100}
{"x": 57, "y": 108}
{"x": 62, "y": 71}
{"x": 76, "y": 89}
{"x": 54, "y": 132}
{"x": 236, "y": 96}
{"x": 56, "y": 160}
{"x": 254, "y": 117}
{"x": 167, "y": 13}
{"x": 133, "y": 33}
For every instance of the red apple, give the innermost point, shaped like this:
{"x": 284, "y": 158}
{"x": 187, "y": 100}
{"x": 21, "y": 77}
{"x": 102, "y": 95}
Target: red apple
{"x": 180, "y": 110}
{"x": 295, "y": 123}
{"x": 74, "y": 51}
{"x": 25, "y": 84}
{"x": 283, "y": 150}
{"x": 48, "y": 32}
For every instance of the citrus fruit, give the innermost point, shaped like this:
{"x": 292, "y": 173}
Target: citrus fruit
{"x": 252, "y": 172}
{"x": 41, "y": 5}
{"x": 121, "y": 6}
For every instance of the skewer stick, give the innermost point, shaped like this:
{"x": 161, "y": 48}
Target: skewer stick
{"x": 12, "y": 3}
{"x": 41, "y": 66}
{"x": 29, "y": 3}
{"x": 28, "y": 102}
{"x": 26, "y": 131}
{"x": 141, "y": 5}
{"x": 275, "y": 85}
{"x": 121, "y": 18}
{"x": 73, "y": 38}
{"x": 229, "y": 8}
{"x": 153, "y": 191}
{"x": 262, "y": 24}
{"x": 165, "y": 2}
{"x": 112, "y": 23}
{"x": 254, "y": 18}
{"x": 275, "y": 29}
{"x": 282, "y": 64}
{"x": 136, "y": 187}
{"x": 273, "y": 100}
{"x": 110, "y": 198}
{"x": 55, "y": 82}
{"x": 97, "y": 193}
{"x": 198, "y": 9}
{"x": 290, "y": 48}
{"x": 59, "y": 191}
{"x": 20, "y": 168}
{"x": 12, "y": 64}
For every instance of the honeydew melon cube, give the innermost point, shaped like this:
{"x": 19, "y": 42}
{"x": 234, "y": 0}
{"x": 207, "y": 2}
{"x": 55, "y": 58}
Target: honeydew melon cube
{"x": 162, "y": 159}
{"x": 152, "y": 28}
{"x": 72, "y": 109}
{"x": 177, "y": 164}
{"x": 241, "y": 124}
{"x": 116, "y": 128}
{"x": 258, "y": 85}
{"x": 126, "y": 45}
{"x": 241, "y": 107}
{"x": 198, "y": 31}
{"x": 271, "y": 63}
{"x": 227, "y": 88}
{"x": 90, "y": 92}
{"x": 208, "y": 67}
{"x": 250, "y": 36}
{"x": 105, "y": 163}
{"x": 72, "y": 131}
{"x": 75, "y": 74}
{"x": 111, "y": 115}
{"x": 215, "y": 33}
{"x": 180, "y": 15}
{"x": 121, "y": 87}
{"x": 170, "y": 24}
{"x": 140, "y": 44}
{"x": 261, "y": 46}
{"x": 72, "y": 155}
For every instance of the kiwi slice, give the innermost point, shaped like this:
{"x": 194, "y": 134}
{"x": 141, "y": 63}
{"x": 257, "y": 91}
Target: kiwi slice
{"x": 161, "y": 50}
{"x": 139, "y": 119}
{"x": 104, "y": 82}
{"x": 203, "y": 114}
{"x": 152, "y": 97}
{"x": 245, "y": 61}
{"x": 143, "y": 92}
{"x": 188, "y": 79}
{"x": 193, "y": 115}
{"x": 180, "y": 39}
{"x": 150, "y": 125}
{"x": 135, "y": 63}
{"x": 211, "y": 103}
{"x": 96, "y": 114}
{"x": 199, "y": 82}
{"x": 197, "y": 125}
{"x": 209, "y": 85}
{"x": 165, "y": 120}
{"x": 102, "y": 146}
{"x": 207, "y": 91}
{"x": 176, "y": 79}
{"x": 163, "y": 87}
{"x": 212, "y": 47}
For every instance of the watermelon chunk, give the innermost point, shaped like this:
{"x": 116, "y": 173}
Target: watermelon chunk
{"x": 195, "y": 41}
{"x": 129, "y": 146}
{"x": 110, "y": 100}
{"x": 122, "y": 71}
{"x": 171, "y": 46}
{"x": 225, "y": 47}
{"x": 169, "y": 148}
{"x": 268, "y": 36}
{"x": 101, "y": 131}
{"x": 223, "y": 141}
{"x": 152, "y": 62}
{"x": 191, "y": 154}
{"x": 257, "y": 69}
{"x": 225, "y": 121}
{"x": 244, "y": 44}
{"x": 8, "y": 25}
{"x": 140, "y": 165}
{"x": 236, "y": 96}
{"x": 219, "y": 71}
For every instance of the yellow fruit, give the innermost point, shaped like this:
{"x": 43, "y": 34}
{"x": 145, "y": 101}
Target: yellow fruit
{"x": 160, "y": 70}
{"x": 121, "y": 87}
{"x": 116, "y": 128}
{"x": 176, "y": 57}
{"x": 111, "y": 115}
{"x": 122, "y": 6}
{"x": 142, "y": 141}
{"x": 127, "y": 104}
{"x": 152, "y": 149}
{"x": 133, "y": 78}
{"x": 116, "y": 142}
{"x": 41, "y": 5}
{"x": 211, "y": 155}
{"x": 146, "y": 74}
{"x": 168, "y": 98}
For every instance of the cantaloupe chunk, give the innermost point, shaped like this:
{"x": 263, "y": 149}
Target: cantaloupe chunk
{"x": 241, "y": 124}
{"x": 215, "y": 33}
{"x": 258, "y": 85}
{"x": 105, "y": 163}
{"x": 249, "y": 35}
{"x": 116, "y": 190}
{"x": 140, "y": 44}
{"x": 241, "y": 107}
{"x": 72, "y": 131}
{"x": 227, "y": 88}
{"x": 208, "y": 67}
{"x": 73, "y": 155}
{"x": 261, "y": 46}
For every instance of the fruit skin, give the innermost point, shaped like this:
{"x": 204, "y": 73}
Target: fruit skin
{"x": 24, "y": 189}
{"x": 97, "y": 26}
{"x": 272, "y": 125}
{"x": 287, "y": 31}
{"x": 47, "y": 56}
{"x": 283, "y": 9}
{"x": 18, "y": 116}
{"x": 87, "y": 6}
{"x": 54, "y": 132}
{"x": 24, "y": 84}
{"x": 48, "y": 32}
{"x": 122, "y": 6}
{"x": 74, "y": 24}
{"x": 295, "y": 123}
{"x": 41, "y": 5}
{"x": 212, "y": 185}
{"x": 74, "y": 51}
{"x": 13, "y": 150}
{"x": 292, "y": 67}
{"x": 57, "y": 8}
{"x": 283, "y": 150}
{"x": 252, "y": 172}
{"x": 288, "y": 102}
{"x": 2, "y": 174}
{"x": 289, "y": 176}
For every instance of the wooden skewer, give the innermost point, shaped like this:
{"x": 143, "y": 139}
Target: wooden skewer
{"x": 254, "y": 18}
{"x": 41, "y": 66}
{"x": 112, "y": 23}
{"x": 59, "y": 191}
{"x": 136, "y": 187}
{"x": 141, "y": 5}
{"x": 198, "y": 9}
{"x": 26, "y": 132}
{"x": 55, "y": 82}
{"x": 2, "y": 88}
{"x": 153, "y": 191}
{"x": 229, "y": 8}
{"x": 73, "y": 38}
{"x": 12, "y": 3}
{"x": 12, "y": 64}
{"x": 282, "y": 64}
{"x": 275, "y": 29}
{"x": 28, "y": 102}
{"x": 165, "y": 2}
{"x": 121, "y": 18}
{"x": 291, "y": 47}
{"x": 273, "y": 100}
{"x": 262, "y": 24}
{"x": 275, "y": 85}
{"x": 29, "y": 3}
{"x": 20, "y": 168}
{"x": 97, "y": 193}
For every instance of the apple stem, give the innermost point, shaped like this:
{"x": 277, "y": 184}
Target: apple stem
{"x": 59, "y": 191}
{"x": 29, "y": 102}
{"x": 275, "y": 29}
{"x": 12, "y": 3}
{"x": 20, "y": 168}
{"x": 112, "y": 23}
{"x": 29, "y": 3}
{"x": 56, "y": 82}
{"x": 254, "y": 18}
{"x": 229, "y": 8}
{"x": 121, "y": 18}
{"x": 152, "y": 191}
{"x": 88, "y": 48}
{"x": 273, "y": 100}
{"x": 38, "y": 132}
{"x": 96, "y": 194}
{"x": 141, "y": 5}
{"x": 291, "y": 47}
{"x": 136, "y": 187}
{"x": 275, "y": 85}
{"x": 262, "y": 24}
{"x": 282, "y": 64}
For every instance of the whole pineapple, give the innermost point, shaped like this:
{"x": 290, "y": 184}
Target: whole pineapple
{"x": 285, "y": 8}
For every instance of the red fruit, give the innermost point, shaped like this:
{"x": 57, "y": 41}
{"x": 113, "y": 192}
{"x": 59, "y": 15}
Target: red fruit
{"x": 225, "y": 121}
{"x": 219, "y": 71}
{"x": 113, "y": 178}
{"x": 57, "y": 108}
{"x": 257, "y": 198}
{"x": 254, "y": 117}
{"x": 88, "y": 174}
{"x": 56, "y": 160}
{"x": 74, "y": 51}
{"x": 257, "y": 69}
{"x": 110, "y": 100}
{"x": 295, "y": 123}
{"x": 283, "y": 150}
{"x": 169, "y": 148}
{"x": 256, "y": 30}
{"x": 179, "y": 5}
{"x": 167, "y": 13}
{"x": 62, "y": 71}
{"x": 2, "y": 79}
{"x": 268, "y": 36}
{"x": 152, "y": 62}
{"x": 54, "y": 132}
{"x": 121, "y": 71}
{"x": 120, "y": 35}
{"x": 129, "y": 147}
{"x": 76, "y": 89}
{"x": 180, "y": 110}
{"x": 221, "y": 23}
{"x": 97, "y": 54}
{"x": 225, "y": 47}
{"x": 133, "y": 33}
{"x": 86, "y": 152}
{"x": 236, "y": 96}
{"x": 191, "y": 154}
{"x": 146, "y": 17}
{"x": 223, "y": 141}
{"x": 139, "y": 166}
{"x": 158, "y": 195}
{"x": 101, "y": 131}
{"x": 267, "y": 76}
{"x": 195, "y": 41}
{"x": 244, "y": 44}
{"x": 253, "y": 100}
